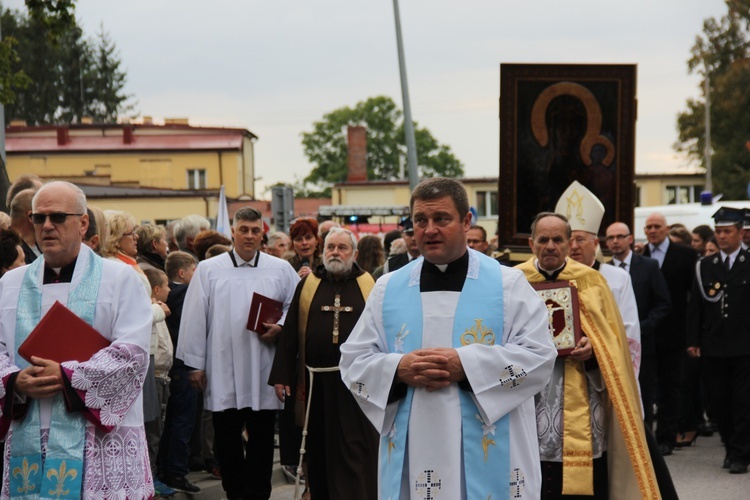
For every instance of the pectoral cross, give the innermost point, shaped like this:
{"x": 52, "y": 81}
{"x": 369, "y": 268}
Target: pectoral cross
{"x": 336, "y": 308}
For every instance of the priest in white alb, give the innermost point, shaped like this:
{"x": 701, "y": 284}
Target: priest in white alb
{"x": 231, "y": 363}
{"x": 76, "y": 428}
{"x": 445, "y": 361}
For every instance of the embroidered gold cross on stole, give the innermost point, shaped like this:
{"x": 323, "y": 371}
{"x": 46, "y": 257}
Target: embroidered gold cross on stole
{"x": 336, "y": 308}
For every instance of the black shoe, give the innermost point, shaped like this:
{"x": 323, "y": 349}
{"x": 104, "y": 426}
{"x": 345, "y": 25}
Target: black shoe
{"x": 738, "y": 468}
{"x": 705, "y": 430}
{"x": 665, "y": 449}
{"x": 180, "y": 483}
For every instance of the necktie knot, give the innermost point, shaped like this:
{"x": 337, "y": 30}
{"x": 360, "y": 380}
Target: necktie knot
{"x": 623, "y": 265}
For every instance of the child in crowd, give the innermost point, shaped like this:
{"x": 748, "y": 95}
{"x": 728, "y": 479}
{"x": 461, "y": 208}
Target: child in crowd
{"x": 183, "y": 399}
{"x": 162, "y": 352}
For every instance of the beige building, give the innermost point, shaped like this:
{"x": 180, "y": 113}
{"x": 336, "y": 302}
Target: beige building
{"x": 156, "y": 172}
{"x": 669, "y": 187}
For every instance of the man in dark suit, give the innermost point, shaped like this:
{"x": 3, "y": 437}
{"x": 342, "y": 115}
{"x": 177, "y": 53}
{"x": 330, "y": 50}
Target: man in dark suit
{"x": 719, "y": 333}
{"x": 677, "y": 263}
{"x": 652, "y": 300}
{"x": 412, "y": 251}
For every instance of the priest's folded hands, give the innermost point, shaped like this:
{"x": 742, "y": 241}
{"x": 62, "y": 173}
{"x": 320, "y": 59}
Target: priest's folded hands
{"x": 40, "y": 380}
{"x": 433, "y": 368}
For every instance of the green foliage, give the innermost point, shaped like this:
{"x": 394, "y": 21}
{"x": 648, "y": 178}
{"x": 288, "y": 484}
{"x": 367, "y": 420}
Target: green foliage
{"x": 56, "y": 16}
{"x": 66, "y": 76}
{"x": 12, "y": 78}
{"x": 722, "y": 52}
{"x": 326, "y": 145}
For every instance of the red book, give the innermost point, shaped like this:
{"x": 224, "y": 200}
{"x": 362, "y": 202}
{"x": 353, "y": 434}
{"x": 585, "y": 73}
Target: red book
{"x": 263, "y": 310}
{"x": 62, "y": 336}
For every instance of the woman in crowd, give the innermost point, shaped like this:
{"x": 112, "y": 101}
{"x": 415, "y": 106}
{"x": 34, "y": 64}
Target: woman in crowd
{"x": 304, "y": 235}
{"x": 152, "y": 247}
{"x": 712, "y": 247}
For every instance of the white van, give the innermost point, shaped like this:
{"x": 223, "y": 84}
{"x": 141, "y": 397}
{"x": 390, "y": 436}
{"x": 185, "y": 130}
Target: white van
{"x": 690, "y": 214}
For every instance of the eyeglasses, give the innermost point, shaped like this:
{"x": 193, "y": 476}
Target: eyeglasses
{"x": 618, "y": 237}
{"x": 54, "y": 217}
{"x": 131, "y": 233}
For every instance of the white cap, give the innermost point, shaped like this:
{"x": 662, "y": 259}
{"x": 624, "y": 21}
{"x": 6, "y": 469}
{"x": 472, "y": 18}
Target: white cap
{"x": 582, "y": 208}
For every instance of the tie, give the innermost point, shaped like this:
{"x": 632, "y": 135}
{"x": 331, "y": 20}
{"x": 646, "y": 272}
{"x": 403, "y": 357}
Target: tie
{"x": 623, "y": 265}
{"x": 727, "y": 264}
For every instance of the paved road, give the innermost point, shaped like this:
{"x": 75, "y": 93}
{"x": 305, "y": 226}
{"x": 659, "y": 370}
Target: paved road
{"x": 696, "y": 471}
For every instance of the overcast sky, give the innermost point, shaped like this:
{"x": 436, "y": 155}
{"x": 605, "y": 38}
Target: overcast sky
{"x": 276, "y": 66}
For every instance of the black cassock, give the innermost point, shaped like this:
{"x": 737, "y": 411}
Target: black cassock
{"x": 342, "y": 445}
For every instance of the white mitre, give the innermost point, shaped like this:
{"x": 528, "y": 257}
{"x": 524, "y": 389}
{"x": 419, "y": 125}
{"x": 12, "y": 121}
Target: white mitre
{"x": 582, "y": 208}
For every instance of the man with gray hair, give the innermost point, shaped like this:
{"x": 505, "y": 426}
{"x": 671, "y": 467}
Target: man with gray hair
{"x": 187, "y": 229}
{"x": 341, "y": 447}
{"x": 231, "y": 363}
{"x": 278, "y": 244}
{"x": 88, "y": 413}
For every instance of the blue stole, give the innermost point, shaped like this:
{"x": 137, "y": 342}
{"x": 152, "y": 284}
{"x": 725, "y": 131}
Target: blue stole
{"x": 478, "y": 319}
{"x": 60, "y": 474}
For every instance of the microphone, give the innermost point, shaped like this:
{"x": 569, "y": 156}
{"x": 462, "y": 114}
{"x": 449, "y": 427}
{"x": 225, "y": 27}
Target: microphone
{"x": 305, "y": 263}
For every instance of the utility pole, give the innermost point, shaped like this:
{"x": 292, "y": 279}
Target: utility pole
{"x": 411, "y": 144}
{"x": 4, "y": 180}
{"x": 707, "y": 152}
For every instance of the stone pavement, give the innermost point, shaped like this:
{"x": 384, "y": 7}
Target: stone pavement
{"x": 696, "y": 472}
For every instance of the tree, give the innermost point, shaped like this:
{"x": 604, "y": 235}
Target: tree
{"x": 55, "y": 16}
{"x": 68, "y": 76}
{"x": 326, "y": 145}
{"x": 722, "y": 53}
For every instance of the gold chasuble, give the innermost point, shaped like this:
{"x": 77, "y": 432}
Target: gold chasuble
{"x": 628, "y": 458}
{"x": 365, "y": 282}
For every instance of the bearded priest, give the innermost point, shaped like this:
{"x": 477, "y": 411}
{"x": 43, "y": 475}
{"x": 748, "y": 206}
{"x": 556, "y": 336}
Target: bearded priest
{"x": 342, "y": 446}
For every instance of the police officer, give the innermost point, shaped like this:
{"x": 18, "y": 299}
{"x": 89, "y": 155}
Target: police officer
{"x": 719, "y": 333}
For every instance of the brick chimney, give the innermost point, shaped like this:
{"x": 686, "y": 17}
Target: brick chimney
{"x": 127, "y": 134}
{"x": 357, "y": 154}
{"x": 63, "y": 136}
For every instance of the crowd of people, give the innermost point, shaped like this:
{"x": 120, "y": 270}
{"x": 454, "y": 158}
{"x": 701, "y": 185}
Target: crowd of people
{"x": 407, "y": 365}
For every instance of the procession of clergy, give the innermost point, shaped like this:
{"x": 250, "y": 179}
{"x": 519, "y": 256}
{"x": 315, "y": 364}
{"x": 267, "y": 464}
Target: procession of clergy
{"x": 453, "y": 376}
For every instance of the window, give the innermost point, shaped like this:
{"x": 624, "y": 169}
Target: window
{"x": 196, "y": 178}
{"x": 677, "y": 195}
{"x": 487, "y": 202}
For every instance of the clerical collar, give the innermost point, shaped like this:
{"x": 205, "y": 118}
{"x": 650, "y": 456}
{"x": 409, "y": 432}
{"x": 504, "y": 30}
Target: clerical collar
{"x": 63, "y": 275}
{"x": 451, "y": 279}
{"x": 550, "y": 275}
{"x": 240, "y": 262}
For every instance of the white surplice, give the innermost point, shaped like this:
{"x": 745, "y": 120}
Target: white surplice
{"x": 214, "y": 335}
{"x": 368, "y": 367}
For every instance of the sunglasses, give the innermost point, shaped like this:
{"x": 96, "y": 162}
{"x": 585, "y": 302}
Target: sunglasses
{"x": 54, "y": 217}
